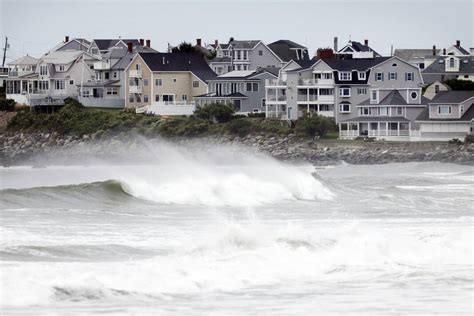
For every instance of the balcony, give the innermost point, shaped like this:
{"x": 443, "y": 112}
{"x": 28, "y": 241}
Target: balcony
{"x": 135, "y": 89}
{"x": 103, "y": 65}
{"x": 307, "y": 98}
{"x": 314, "y": 82}
{"x": 275, "y": 82}
{"x": 135, "y": 73}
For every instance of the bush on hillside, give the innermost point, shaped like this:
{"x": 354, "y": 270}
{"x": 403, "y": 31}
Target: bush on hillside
{"x": 216, "y": 112}
{"x": 469, "y": 139}
{"x": 310, "y": 126}
{"x": 240, "y": 127}
{"x": 458, "y": 84}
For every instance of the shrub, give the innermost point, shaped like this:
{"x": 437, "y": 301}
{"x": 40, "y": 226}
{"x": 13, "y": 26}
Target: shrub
{"x": 259, "y": 114}
{"x": 216, "y": 112}
{"x": 469, "y": 139}
{"x": 459, "y": 84}
{"x": 311, "y": 126}
{"x": 7, "y": 104}
{"x": 240, "y": 127}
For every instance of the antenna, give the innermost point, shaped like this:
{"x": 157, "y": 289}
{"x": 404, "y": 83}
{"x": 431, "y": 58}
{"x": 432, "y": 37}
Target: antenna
{"x": 5, "y": 51}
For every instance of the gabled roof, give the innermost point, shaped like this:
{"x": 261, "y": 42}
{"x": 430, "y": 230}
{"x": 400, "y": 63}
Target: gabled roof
{"x": 286, "y": 50}
{"x": 358, "y": 47}
{"x": 25, "y": 60}
{"x": 466, "y": 65}
{"x": 461, "y": 49}
{"x": 394, "y": 98}
{"x": 81, "y": 41}
{"x": 408, "y": 54}
{"x": 243, "y": 44}
{"x": 271, "y": 70}
{"x": 61, "y": 57}
{"x": 179, "y": 62}
{"x": 237, "y": 74}
{"x": 452, "y": 96}
{"x": 105, "y": 44}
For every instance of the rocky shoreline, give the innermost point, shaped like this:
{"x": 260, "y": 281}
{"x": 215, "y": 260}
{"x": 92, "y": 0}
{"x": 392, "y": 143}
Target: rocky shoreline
{"x": 27, "y": 149}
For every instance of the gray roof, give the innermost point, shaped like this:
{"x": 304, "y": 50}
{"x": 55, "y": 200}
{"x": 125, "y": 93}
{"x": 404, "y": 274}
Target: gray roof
{"x": 105, "y": 44}
{"x": 235, "y": 95}
{"x": 408, "y": 54}
{"x": 359, "y": 47}
{"x": 466, "y": 117}
{"x": 244, "y": 44}
{"x": 466, "y": 65}
{"x": 453, "y": 96}
{"x": 376, "y": 119}
{"x": 174, "y": 62}
{"x": 25, "y": 60}
{"x": 462, "y": 49}
{"x": 124, "y": 61}
{"x": 285, "y": 49}
{"x": 394, "y": 98}
{"x": 359, "y": 64}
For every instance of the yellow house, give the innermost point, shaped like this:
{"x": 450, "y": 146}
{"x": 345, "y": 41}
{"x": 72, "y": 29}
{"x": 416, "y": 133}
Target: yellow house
{"x": 166, "y": 78}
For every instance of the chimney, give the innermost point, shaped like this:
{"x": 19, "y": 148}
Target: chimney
{"x": 458, "y": 43}
{"x": 142, "y": 42}
{"x": 366, "y": 42}
{"x": 148, "y": 42}
{"x": 325, "y": 53}
{"x": 335, "y": 44}
{"x": 434, "y": 50}
{"x": 130, "y": 47}
{"x": 66, "y": 39}
{"x": 216, "y": 42}
{"x": 444, "y": 51}
{"x": 198, "y": 42}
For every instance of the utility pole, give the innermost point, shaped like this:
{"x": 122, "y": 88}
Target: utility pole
{"x": 5, "y": 51}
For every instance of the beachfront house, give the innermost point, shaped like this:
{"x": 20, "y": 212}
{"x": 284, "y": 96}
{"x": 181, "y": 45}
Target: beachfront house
{"x": 449, "y": 115}
{"x": 244, "y": 90}
{"x": 420, "y": 58}
{"x": 243, "y": 55}
{"x": 166, "y": 83}
{"x": 107, "y": 88}
{"x": 449, "y": 67}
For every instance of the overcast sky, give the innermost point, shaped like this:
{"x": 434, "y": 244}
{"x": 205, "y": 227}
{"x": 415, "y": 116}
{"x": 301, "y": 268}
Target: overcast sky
{"x": 34, "y": 26}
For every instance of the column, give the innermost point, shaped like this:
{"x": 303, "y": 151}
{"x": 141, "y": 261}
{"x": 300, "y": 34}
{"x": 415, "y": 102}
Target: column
{"x": 398, "y": 128}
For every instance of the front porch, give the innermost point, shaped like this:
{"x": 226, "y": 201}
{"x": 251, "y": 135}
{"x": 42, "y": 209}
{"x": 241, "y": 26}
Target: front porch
{"x": 378, "y": 130}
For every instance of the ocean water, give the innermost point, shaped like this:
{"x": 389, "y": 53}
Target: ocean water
{"x": 220, "y": 232}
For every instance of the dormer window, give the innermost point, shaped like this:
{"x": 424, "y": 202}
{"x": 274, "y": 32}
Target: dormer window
{"x": 345, "y": 76}
{"x": 362, "y": 75}
{"x": 43, "y": 71}
{"x": 451, "y": 63}
{"x": 61, "y": 68}
{"x": 444, "y": 109}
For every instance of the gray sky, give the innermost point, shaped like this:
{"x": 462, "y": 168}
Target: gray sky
{"x": 34, "y": 26}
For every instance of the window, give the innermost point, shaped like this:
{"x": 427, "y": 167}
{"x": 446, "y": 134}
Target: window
{"x": 327, "y": 75}
{"x": 106, "y": 76}
{"x": 409, "y": 76}
{"x": 451, "y": 63}
{"x": 43, "y": 85}
{"x": 421, "y": 65}
{"x": 61, "y": 68}
{"x": 157, "y": 98}
{"x": 138, "y": 98}
{"x": 115, "y": 75}
{"x": 374, "y": 96}
{"x": 345, "y": 76}
{"x": 444, "y": 109}
{"x": 112, "y": 91}
{"x": 158, "y": 82}
{"x": 98, "y": 76}
{"x": 43, "y": 70}
{"x": 361, "y": 91}
{"x": 145, "y": 82}
{"x": 174, "y": 80}
{"x": 145, "y": 98}
{"x": 383, "y": 111}
{"x": 361, "y": 75}
{"x": 345, "y": 107}
{"x": 379, "y": 76}
{"x": 461, "y": 109}
{"x": 466, "y": 76}
{"x": 344, "y": 92}
{"x": 392, "y": 76}
{"x": 255, "y": 87}
{"x": 59, "y": 85}
{"x": 399, "y": 111}
{"x": 414, "y": 95}
{"x": 326, "y": 91}
{"x": 252, "y": 86}
{"x": 365, "y": 111}
{"x": 130, "y": 98}
{"x": 324, "y": 107}
{"x": 71, "y": 82}
{"x": 195, "y": 84}
{"x": 260, "y": 53}
{"x": 394, "y": 65}
{"x": 184, "y": 97}
{"x": 437, "y": 88}
{"x": 264, "y": 102}
{"x": 138, "y": 67}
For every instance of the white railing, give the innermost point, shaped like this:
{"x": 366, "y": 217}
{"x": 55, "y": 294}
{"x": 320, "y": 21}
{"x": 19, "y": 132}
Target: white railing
{"x": 135, "y": 73}
{"x": 378, "y": 133}
{"x": 142, "y": 109}
{"x": 171, "y": 108}
{"x": 135, "y": 89}
{"x": 308, "y": 82}
{"x": 100, "y": 65}
{"x": 349, "y": 133}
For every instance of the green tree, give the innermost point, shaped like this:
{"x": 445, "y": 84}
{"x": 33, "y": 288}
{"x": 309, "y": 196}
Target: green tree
{"x": 216, "y": 112}
{"x": 315, "y": 125}
{"x": 457, "y": 84}
{"x": 184, "y": 47}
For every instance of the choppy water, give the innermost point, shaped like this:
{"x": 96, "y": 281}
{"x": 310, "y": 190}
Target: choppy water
{"x": 220, "y": 234}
